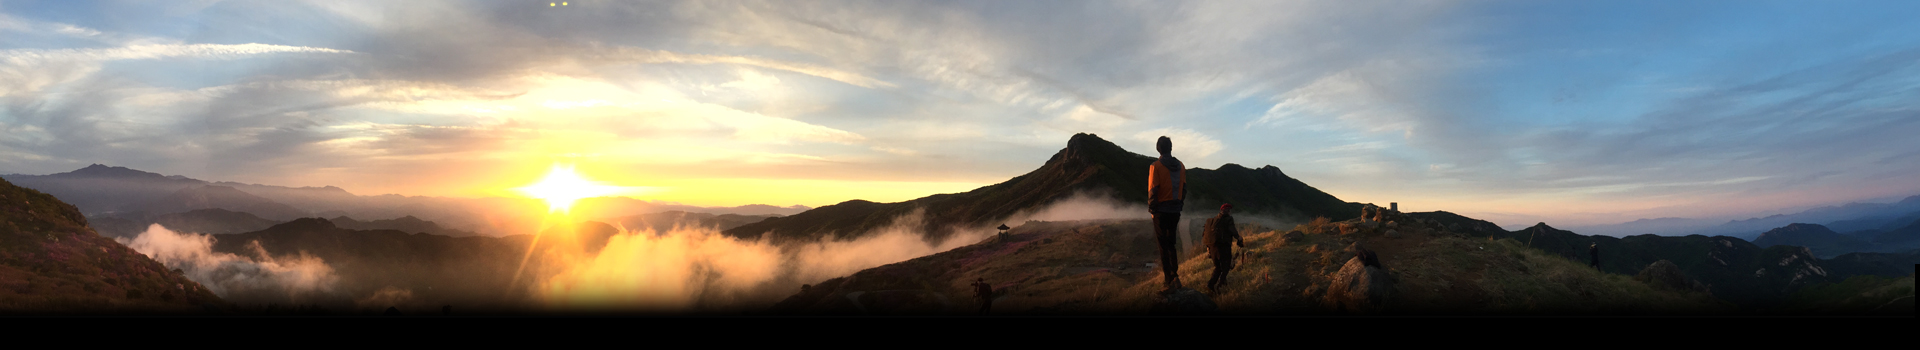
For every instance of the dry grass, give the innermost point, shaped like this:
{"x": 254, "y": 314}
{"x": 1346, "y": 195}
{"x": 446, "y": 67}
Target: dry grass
{"x": 1435, "y": 273}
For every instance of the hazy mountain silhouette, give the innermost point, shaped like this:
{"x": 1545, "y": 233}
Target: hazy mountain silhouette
{"x": 668, "y": 221}
{"x": 1863, "y": 213}
{"x": 403, "y": 224}
{"x": 1845, "y": 219}
{"x": 211, "y": 221}
{"x": 50, "y": 261}
{"x": 218, "y": 197}
{"x": 119, "y": 196}
{"x": 99, "y": 188}
{"x": 1823, "y": 242}
{"x": 1088, "y": 164}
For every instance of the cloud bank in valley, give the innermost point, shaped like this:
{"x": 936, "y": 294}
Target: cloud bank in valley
{"x": 240, "y": 279}
{"x": 694, "y": 268}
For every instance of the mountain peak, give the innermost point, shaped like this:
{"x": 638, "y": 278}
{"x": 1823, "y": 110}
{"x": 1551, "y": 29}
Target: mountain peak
{"x": 1090, "y": 148}
{"x": 98, "y": 170}
{"x": 1915, "y": 199}
{"x": 1802, "y": 227}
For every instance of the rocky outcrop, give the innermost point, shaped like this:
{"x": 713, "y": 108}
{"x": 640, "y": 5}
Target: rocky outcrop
{"x": 1665, "y": 274}
{"x": 1366, "y": 256}
{"x": 1359, "y": 287}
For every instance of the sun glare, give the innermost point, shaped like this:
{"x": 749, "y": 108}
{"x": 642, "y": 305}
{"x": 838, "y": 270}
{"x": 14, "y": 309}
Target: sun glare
{"x": 563, "y": 186}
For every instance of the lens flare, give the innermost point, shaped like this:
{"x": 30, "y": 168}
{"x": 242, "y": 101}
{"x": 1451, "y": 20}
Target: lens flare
{"x": 563, "y": 186}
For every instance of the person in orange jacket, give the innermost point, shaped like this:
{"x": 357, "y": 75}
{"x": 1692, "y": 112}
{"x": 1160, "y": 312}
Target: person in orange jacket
{"x": 1166, "y": 197}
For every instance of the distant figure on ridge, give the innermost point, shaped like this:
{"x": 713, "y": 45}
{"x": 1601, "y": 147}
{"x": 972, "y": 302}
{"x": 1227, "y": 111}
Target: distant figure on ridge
{"x": 984, "y": 292}
{"x": 1594, "y": 251}
{"x": 1166, "y": 196}
{"x": 1219, "y": 238}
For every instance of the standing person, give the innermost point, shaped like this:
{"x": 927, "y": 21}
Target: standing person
{"x": 1594, "y": 251}
{"x": 1166, "y": 196}
{"x": 984, "y": 292}
{"x": 1219, "y": 238}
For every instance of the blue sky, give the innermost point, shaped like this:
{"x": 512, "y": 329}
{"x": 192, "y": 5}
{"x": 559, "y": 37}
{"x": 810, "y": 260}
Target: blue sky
{"x": 1572, "y": 113}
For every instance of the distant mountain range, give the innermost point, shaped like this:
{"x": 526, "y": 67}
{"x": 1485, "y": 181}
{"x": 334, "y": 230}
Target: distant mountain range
{"x": 118, "y": 193}
{"x": 1088, "y": 165}
{"x": 1850, "y": 217}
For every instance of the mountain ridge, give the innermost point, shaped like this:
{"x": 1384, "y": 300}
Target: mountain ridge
{"x": 1088, "y": 165}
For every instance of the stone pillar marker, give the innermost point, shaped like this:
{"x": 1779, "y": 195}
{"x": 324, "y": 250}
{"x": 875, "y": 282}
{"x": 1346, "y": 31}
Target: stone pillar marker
{"x": 1394, "y": 206}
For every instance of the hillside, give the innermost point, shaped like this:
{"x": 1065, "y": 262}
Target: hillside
{"x": 1088, "y": 165}
{"x": 1734, "y": 269}
{"x": 1100, "y": 267}
{"x": 50, "y": 261}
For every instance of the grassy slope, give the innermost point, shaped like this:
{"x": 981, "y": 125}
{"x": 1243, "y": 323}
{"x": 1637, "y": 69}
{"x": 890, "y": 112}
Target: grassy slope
{"x": 50, "y": 261}
{"x": 1099, "y": 268}
{"x": 1864, "y": 294}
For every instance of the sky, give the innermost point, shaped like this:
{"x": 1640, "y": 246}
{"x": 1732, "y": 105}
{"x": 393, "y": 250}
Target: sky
{"x": 1567, "y": 112}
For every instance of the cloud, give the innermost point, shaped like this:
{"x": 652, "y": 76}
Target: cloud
{"x": 259, "y": 279}
{"x": 693, "y": 268}
{"x": 639, "y": 55}
{"x": 143, "y": 52}
{"x": 1185, "y": 141}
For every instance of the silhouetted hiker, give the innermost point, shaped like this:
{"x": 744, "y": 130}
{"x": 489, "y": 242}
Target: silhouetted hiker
{"x": 1166, "y": 196}
{"x": 984, "y": 292}
{"x": 1219, "y": 238}
{"x": 1594, "y": 251}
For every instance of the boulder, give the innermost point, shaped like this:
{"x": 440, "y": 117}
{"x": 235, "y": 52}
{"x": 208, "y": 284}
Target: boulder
{"x": 1366, "y": 256}
{"x": 1665, "y": 274}
{"x": 1358, "y": 287}
{"x": 1183, "y": 301}
{"x": 1393, "y": 234}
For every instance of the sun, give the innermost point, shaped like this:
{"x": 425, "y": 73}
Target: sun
{"x": 563, "y": 186}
